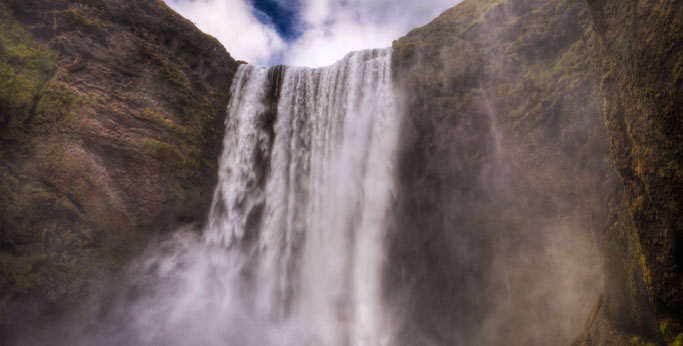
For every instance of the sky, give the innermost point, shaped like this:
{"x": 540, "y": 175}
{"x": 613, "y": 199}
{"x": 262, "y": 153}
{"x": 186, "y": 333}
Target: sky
{"x": 306, "y": 32}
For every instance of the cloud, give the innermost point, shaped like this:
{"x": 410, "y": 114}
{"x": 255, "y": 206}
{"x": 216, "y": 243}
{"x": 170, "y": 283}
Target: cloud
{"x": 325, "y": 29}
{"x": 234, "y": 24}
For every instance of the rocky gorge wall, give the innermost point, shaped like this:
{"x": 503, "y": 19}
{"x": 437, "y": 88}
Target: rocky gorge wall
{"x": 505, "y": 155}
{"x": 111, "y": 122}
{"x": 640, "y": 59}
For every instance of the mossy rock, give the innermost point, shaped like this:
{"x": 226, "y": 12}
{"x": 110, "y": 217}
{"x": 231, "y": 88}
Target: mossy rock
{"x": 110, "y": 132}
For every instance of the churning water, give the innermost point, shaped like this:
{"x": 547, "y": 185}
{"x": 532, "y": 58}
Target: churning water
{"x": 293, "y": 249}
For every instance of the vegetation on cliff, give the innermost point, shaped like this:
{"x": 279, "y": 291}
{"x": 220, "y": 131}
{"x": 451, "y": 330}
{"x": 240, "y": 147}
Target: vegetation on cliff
{"x": 111, "y": 126}
{"x": 640, "y": 58}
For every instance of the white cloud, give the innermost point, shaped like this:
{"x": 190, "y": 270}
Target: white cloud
{"x": 322, "y": 46}
{"x": 330, "y": 28}
{"x": 234, "y": 25}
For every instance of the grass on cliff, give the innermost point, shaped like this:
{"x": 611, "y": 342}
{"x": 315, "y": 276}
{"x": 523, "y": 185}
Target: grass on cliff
{"x": 26, "y": 69}
{"x": 43, "y": 252}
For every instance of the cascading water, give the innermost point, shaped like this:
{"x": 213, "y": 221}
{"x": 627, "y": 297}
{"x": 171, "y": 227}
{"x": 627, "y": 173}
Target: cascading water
{"x": 293, "y": 249}
{"x": 303, "y": 188}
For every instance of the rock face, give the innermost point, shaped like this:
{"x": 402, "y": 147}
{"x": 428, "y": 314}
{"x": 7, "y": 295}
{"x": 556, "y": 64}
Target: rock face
{"x": 508, "y": 174}
{"x": 111, "y": 121}
{"x": 640, "y": 59}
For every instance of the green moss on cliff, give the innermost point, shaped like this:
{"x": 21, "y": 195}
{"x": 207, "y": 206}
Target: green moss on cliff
{"x": 176, "y": 76}
{"x": 30, "y": 207}
{"x": 74, "y": 18}
{"x": 640, "y": 53}
{"x": 106, "y": 136}
{"x": 26, "y": 69}
{"x": 158, "y": 118}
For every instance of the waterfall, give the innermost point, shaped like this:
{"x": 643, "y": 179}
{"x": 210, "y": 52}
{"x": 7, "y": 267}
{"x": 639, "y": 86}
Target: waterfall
{"x": 304, "y": 183}
{"x": 293, "y": 250}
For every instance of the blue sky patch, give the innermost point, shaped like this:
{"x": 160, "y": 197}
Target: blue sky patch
{"x": 283, "y": 15}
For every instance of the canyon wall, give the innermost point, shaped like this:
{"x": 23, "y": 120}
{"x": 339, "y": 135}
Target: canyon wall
{"x": 639, "y": 56}
{"x": 512, "y": 221}
{"x": 111, "y": 122}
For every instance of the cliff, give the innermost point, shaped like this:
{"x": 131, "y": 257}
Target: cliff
{"x": 111, "y": 122}
{"x": 640, "y": 58}
{"x": 505, "y": 154}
